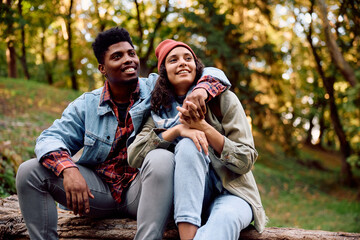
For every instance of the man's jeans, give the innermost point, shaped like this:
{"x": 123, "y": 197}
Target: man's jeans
{"x": 199, "y": 195}
{"x": 148, "y": 199}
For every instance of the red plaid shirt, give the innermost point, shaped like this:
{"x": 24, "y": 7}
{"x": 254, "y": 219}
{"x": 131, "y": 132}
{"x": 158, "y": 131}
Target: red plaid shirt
{"x": 115, "y": 169}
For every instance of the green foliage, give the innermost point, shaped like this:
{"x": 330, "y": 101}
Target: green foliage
{"x": 7, "y": 185}
{"x": 304, "y": 191}
{"x": 26, "y": 109}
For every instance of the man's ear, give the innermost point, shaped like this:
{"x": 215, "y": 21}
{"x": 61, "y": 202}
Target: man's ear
{"x": 101, "y": 68}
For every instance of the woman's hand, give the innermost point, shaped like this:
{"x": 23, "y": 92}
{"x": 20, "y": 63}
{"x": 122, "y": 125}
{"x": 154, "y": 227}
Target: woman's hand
{"x": 215, "y": 139}
{"x": 198, "y": 122}
{"x": 197, "y": 136}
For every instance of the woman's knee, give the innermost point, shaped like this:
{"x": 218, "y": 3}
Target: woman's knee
{"x": 187, "y": 155}
{"x": 159, "y": 162}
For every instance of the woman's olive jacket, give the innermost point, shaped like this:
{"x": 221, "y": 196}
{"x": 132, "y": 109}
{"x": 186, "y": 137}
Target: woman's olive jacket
{"x": 235, "y": 162}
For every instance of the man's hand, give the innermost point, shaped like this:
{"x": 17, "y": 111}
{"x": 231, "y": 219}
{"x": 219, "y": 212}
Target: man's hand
{"x": 198, "y": 109}
{"x": 77, "y": 191}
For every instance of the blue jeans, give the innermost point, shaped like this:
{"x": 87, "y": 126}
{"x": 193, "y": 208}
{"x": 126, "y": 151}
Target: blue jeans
{"x": 200, "y": 199}
{"x": 148, "y": 199}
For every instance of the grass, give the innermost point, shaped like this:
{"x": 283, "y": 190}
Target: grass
{"x": 301, "y": 195}
{"x": 297, "y": 191}
{"x": 26, "y": 109}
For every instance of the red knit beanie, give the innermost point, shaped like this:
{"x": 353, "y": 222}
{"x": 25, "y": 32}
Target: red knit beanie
{"x": 165, "y": 47}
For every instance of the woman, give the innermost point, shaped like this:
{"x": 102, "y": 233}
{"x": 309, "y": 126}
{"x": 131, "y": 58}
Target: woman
{"x": 215, "y": 194}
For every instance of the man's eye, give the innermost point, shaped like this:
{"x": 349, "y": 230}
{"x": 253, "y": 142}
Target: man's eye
{"x": 116, "y": 56}
{"x": 132, "y": 54}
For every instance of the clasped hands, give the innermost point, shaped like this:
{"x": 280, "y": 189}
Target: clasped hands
{"x": 192, "y": 118}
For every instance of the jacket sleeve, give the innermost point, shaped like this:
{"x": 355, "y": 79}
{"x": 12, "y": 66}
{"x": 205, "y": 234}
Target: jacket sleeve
{"x": 239, "y": 153}
{"x": 218, "y": 74}
{"x": 66, "y": 133}
{"x": 144, "y": 142}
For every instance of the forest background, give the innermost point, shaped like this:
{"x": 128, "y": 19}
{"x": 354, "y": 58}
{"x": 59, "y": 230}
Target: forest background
{"x": 293, "y": 64}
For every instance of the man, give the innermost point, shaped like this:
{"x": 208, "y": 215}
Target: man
{"x": 104, "y": 122}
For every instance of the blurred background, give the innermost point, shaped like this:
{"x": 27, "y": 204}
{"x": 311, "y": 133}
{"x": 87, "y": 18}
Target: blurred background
{"x": 293, "y": 64}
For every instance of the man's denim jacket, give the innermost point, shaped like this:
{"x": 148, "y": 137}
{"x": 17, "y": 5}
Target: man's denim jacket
{"x": 86, "y": 124}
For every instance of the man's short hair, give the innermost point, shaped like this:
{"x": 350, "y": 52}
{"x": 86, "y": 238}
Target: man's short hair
{"x": 108, "y": 38}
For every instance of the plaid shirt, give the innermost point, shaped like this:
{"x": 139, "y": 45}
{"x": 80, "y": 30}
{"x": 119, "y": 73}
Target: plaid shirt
{"x": 115, "y": 169}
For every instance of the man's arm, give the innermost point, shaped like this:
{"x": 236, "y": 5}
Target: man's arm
{"x": 54, "y": 147}
{"x": 208, "y": 87}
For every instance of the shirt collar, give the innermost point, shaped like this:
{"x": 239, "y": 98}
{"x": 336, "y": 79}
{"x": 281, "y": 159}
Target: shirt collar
{"x": 106, "y": 94}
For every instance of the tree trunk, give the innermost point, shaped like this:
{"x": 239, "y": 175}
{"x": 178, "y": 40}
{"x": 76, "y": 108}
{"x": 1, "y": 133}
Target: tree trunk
{"x": 336, "y": 55}
{"x": 47, "y": 70}
{"x": 10, "y": 51}
{"x": 309, "y": 132}
{"x": 144, "y": 69}
{"x": 346, "y": 174}
{"x": 102, "y": 23}
{"x": 11, "y": 59}
{"x": 12, "y": 226}
{"x": 23, "y": 47}
{"x": 74, "y": 84}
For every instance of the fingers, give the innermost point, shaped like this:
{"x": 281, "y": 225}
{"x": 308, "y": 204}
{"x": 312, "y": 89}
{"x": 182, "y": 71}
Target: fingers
{"x": 68, "y": 200}
{"x": 74, "y": 203}
{"x": 201, "y": 142}
{"x": 79, "y": 202}
{"x": 86, "y": 200}
{"x": 77, "y": 191}
{"x": 205, "y": 145}
{"x": 183, "y": 118}
{"x": 194, "y": 111}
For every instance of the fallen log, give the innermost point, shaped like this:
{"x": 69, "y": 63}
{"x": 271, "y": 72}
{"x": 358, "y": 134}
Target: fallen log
{"x": 12, "y": 226}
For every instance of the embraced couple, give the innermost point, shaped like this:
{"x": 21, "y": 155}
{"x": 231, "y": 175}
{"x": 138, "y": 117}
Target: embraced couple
{"x": 178, "y": 142}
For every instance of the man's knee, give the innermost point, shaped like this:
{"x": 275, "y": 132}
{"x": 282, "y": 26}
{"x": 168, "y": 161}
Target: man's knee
{"x": 26, "y": 172}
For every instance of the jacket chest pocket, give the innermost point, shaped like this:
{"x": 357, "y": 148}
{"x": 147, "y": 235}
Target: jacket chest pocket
{"x": 96, "y": 149}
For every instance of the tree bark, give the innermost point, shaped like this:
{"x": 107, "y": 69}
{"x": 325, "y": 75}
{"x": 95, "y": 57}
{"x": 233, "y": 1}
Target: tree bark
{"x": 336, "y": 55}
{"x": 74, "y": 84}
{"x": 23, "y": 46}
{"x": 12, "y": 226}
{"x": 47, "y": 69}
{"x": 10, "y": 51}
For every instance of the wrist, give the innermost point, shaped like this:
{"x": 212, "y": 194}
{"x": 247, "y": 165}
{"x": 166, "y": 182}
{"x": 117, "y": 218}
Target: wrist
{"x": 68, "y": 171}
{"x": 203, "y": 92}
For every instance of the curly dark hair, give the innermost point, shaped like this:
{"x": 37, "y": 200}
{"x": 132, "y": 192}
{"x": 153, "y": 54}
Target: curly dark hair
{"x": 108, "y": 38}
{"x": 164, "y": 93}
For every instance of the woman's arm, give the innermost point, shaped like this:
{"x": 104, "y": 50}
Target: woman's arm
{"x": 197, "y": 136}
{"x": 238, "y": 151}
{"x": 148, "y": 140}
{"x": 214, "y": 138}
{"x": 144, "y": 142}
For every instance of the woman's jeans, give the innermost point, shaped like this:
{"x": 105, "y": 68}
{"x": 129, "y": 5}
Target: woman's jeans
{"x": 148, "y": 199}
{"x": 199, "y": 196}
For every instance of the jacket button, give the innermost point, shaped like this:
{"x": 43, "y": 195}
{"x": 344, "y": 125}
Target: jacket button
{"x": 108, "y": 137}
